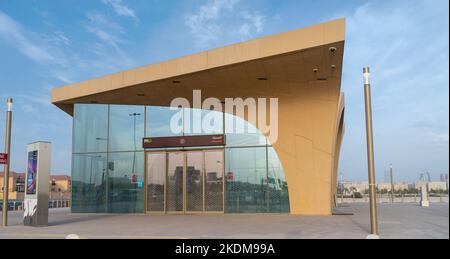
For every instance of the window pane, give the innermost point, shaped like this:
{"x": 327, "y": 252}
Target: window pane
{"x": 126, "y": 178}
{"x": 203, "y": 122}
{"x": 246, "y": 192}
{"x": 214, "y": 181}
{"x": 175, "y": 182}
{"x": 90, "y": 128}
{"x": 194, "y": 181}
{"x": 156, "y": 179}
{"x": 126, "y": 127}
{"x": 240, "y": 133}
{"x": 89, "y": 183}
{"x": 277, "y": 185}
{"x": 158, "y": 122}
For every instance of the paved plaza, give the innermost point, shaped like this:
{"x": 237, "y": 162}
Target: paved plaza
{"x": 397, "y": 221}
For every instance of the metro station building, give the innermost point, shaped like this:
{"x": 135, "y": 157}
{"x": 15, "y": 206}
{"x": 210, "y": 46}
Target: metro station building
{"x": 126, "y": 158}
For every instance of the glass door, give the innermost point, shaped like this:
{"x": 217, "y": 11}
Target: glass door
{"x": 214, "y": 182}
{"x": 156, "y": 182}
{"x": 194, "y": 181}
{"x": 185, "y": 182}
{"x": 175, "y": 182}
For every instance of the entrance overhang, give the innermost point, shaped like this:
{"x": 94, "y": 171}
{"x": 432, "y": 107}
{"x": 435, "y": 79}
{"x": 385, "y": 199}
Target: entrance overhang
{"x": 288, "y": 57}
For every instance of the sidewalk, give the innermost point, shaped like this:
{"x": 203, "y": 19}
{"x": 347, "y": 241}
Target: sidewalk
{"x": 396, "y": 221}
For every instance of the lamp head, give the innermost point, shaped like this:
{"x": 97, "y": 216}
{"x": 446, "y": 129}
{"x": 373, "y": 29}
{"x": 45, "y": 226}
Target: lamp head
{"x": 10, "y": 103}
{"x": 366, "y": 72}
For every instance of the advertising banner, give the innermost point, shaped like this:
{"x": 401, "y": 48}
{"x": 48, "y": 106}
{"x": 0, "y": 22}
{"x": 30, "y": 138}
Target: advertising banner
{"x": 32, "y": 172}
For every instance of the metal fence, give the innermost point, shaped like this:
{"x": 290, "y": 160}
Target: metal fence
{"x": 398, "y": 198}
{"x": 17, "y": 205}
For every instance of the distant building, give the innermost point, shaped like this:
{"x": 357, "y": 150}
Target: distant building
{"x": 432, "y": 186}
{"x": 437, "y": 186}
{"x": 60, "y": 186}
{"x": 351, "y": 187}
{"x": 362, "y": 187}
{"x": 397, "y": 186}
{"x": 16, "y": 188}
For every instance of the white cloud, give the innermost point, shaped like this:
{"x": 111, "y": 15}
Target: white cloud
{"x": 439, "y": 137}
{"x": 221, "y": 19}
{"x": 60, "y": 58}
{"x": 30, "y": 45}
{"x": 109, "y": 34}
{"x": 105, "y": 30}
{"x": 406, "y": 46}
{"x": 255, "y": 19}
{"x": 120, "y": 8}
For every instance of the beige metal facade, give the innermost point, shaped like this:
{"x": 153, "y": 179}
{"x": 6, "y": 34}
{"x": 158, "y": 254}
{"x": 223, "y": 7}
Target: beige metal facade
{"x": 303, "y": 69}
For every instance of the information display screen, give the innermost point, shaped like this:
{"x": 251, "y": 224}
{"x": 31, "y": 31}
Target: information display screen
{"x": 32, "y": 172}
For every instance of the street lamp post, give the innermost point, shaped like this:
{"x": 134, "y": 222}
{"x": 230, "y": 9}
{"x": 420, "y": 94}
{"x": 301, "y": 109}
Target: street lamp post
{"x": 134, "y": 115}
{"x": 446, "y": 182}
{"x": 6, "y": 170}
{"x": 391, "y": 172}
{"x": 370, "y": 154}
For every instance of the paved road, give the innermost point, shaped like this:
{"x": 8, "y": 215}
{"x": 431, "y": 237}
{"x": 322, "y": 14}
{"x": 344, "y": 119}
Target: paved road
{"x": 396, "y": 221}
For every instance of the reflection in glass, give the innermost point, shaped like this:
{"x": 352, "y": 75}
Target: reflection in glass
{"x": 203, "y": 122}
{"x": 125, "y": 189}
{"x": 89, "y": 183}
{"x": 255, "y": 185}
{"x": 158, "y": 122}
{"x": 246, "y": 192}
{"x": 214, "y": 181}
{"x": 90, "y": 128}
{"x": 277, "y": 184}
{"x": 241, "y": 133}
{"x": 175, "y": 182}
{"x": 257, "y": 182}
{"x": 126, "y": 127}
{"x": 156, "y": 170}
{"x": 194, "y": 181}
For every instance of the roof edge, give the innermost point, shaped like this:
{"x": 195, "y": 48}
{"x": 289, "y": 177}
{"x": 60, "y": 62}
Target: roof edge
{"x": 273, "y": 45}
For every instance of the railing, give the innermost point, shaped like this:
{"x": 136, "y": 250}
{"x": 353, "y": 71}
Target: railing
{"x": 398, "y": 198}
{"x": 17, "y": 205}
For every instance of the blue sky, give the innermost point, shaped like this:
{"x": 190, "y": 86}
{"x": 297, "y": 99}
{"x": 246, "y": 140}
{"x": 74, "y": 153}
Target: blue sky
{"x": 49, "y": 43}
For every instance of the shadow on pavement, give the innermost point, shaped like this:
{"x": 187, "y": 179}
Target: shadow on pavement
{"x": 77, "y": 219}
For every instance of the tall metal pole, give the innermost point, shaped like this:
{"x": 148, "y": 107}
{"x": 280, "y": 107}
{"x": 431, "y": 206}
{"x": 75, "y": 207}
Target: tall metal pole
{"x": 391, "y": 172}
{"x": 134, "y": 136}
{"x": 446, "y": 181}
{"x": 6, "y": 168}
{"x": 370, "y": 153}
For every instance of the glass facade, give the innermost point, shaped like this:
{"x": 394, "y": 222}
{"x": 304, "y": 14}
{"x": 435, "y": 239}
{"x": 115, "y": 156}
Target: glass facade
{"x": 108, "y": 168}
{"x": 89, "y": 183}
{"x": 108, "y": 159}
{"x": 246, "y": 193}
{"x": 90, "y": 128}
{"x": 125, "y": 185}
{"x": 126, "y": 128}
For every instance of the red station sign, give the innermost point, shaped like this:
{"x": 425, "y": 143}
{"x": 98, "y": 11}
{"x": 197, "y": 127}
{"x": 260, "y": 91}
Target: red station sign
{"x": 3, "y": 159}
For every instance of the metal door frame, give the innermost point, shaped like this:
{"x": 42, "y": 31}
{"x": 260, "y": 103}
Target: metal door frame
{"x": 184, "y": 211}
{"x": 146, "y": 182}
{"x": 183, "y": 184}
